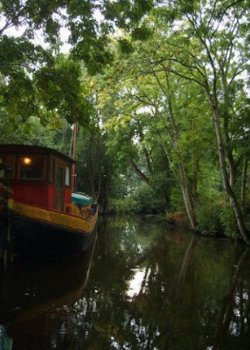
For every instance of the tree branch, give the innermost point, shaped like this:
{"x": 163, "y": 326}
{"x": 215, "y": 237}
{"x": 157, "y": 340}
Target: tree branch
{"x": 139, "y": 172}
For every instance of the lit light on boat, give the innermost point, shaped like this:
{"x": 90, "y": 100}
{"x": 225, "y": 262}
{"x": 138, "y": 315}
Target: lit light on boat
{"x": 27, "y": 161}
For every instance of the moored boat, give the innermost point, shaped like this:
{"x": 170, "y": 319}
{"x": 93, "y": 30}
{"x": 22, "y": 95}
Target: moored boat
{"x": 45, "y": 216}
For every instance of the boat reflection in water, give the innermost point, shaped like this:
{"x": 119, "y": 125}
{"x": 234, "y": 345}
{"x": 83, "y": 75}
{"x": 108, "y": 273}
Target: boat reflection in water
{"x": 31, "y": 293}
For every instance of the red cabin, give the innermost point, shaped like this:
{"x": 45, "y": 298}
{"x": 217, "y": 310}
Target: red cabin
{"x": 38, "y": 176}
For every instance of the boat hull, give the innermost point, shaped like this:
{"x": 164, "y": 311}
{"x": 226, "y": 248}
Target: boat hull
{"x": 36, "y": 239}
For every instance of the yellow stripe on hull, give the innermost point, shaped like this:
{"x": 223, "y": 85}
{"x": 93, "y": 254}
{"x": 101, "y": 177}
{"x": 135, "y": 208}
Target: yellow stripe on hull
{"x": 53, "y": 217}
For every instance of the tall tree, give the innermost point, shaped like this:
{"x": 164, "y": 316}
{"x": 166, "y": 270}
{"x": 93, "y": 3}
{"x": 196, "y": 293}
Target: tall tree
{"x": 151, "y": 109}
{"x": 207, "y": 46}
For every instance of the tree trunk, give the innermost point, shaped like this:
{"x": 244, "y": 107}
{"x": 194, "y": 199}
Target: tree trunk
{"x": 243, "y": 185}
{"x": 225, "y": 178}
{"x": 182, "y": 180}
{"x": 186, "y": 196}
{"x": 105, "y": 194}
{"x": 146, "y": 152}
{"x": 174, "y": 136}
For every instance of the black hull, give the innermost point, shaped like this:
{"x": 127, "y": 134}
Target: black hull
{"x": 36, "y": 239}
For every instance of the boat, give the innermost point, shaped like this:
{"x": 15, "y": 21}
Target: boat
{"x": 45, "y": 215}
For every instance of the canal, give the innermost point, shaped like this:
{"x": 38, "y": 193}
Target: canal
{"x": 141, "y": 286}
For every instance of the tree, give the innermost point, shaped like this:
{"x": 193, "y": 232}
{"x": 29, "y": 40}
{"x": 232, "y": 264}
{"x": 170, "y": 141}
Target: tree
{"x": 208, "y": 49}
{"x": 129, "y": 125}
{"x": 154, "y": 110}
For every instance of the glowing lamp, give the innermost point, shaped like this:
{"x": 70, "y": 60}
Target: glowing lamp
{"x": 27, "y": 161}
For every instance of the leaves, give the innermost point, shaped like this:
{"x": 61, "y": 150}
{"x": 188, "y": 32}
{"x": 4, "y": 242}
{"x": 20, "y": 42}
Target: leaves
{"x": 60, "y": 89}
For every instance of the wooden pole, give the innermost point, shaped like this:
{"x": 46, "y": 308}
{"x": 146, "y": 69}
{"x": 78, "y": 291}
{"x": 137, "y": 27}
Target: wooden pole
{"x": 73, "y": 156}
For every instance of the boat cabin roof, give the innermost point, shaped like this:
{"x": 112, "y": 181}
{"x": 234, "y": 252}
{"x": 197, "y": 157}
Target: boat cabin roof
{"x": 17, "y": 149}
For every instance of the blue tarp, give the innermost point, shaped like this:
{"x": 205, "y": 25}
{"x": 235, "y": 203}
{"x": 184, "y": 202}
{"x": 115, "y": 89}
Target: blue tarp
{"x": 81, "y": 199}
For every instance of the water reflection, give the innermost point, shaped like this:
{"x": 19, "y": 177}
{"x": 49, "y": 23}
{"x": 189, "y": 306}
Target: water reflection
{"x": 150, "y": 288}
{"x": 137, "y": 284}
{"x": 32, "y": 292}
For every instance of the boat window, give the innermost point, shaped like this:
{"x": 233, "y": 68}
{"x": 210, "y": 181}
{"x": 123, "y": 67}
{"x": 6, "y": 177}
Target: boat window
{"x": 7, "y": 167}
{"x": 31, "y": 168}
{"x": 67, "y": 176}
{"x": 59, "y": 178}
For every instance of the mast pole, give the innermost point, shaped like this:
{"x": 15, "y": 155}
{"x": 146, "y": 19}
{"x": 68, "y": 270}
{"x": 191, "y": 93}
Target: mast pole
{"x": 73, "y": 155}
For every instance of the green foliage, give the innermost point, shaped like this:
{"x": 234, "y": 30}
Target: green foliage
{"x": 19, "y": 95}
{"x": 143, "y": 201}
{"x": 127, "y": 205}
{"x": 60, "y": 89}
{"x": 142, "y": 33}
{"x": 96, "y": 54}
{"x": 209, "y": 218}
{"x": 19, "y": 58}
{"x": 34, "y": 14}
{"x": 20, "y": 54}
{"x": 149, "y": 201}
{"x": 228, "y": 221}
{"x": 125, "y": 46}
{"x": 176, "y": 199}
{"x": 30, "y": 131}
{"x": 88, "y": 34}
{"x": 127, "y": 13}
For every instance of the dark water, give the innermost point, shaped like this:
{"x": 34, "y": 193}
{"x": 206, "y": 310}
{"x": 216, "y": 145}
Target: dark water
{"x": 142, "y": 286}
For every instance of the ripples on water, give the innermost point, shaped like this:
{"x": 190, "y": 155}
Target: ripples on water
{"x": 143, "y": 286}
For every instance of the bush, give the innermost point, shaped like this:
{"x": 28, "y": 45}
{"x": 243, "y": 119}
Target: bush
{"x": 176, "y": 200}
{"x": 228, "y": 221}
{"x": 143, "y": 201}
{"x": 123, "y": 205}
{"x": 208, "y": 218}
{"x": 149, "y": 201}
